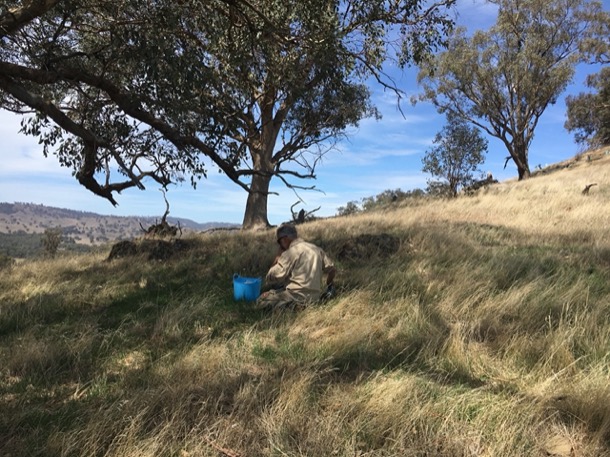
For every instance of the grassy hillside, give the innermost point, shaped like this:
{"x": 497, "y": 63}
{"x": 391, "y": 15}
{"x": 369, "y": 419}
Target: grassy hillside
{"x": 473, "y": 327}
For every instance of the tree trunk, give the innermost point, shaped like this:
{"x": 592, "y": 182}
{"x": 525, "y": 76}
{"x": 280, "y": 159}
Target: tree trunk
{"x": 523, "y": 167}
{"x": 256, "y": 205}
{"x": 261, "y": 152}
{"x": 519, "y": 154}
{"x": 524, "y": 172}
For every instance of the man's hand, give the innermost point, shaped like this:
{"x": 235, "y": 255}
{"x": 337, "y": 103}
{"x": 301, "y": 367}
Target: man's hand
{"x": 329, "y": 293}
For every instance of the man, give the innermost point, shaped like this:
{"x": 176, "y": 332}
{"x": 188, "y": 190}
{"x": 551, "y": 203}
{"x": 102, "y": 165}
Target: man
{"x": 296, "y": 273}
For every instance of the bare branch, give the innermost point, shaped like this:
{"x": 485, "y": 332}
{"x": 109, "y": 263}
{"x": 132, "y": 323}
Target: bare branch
{"x": 164, "y": 218}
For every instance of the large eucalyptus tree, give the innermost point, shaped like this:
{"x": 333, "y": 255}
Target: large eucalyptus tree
{"x": 165, "y": 89}
{"x": 503, "y": 79}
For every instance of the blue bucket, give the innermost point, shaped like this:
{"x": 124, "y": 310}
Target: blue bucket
{"x": 245, "y": 288}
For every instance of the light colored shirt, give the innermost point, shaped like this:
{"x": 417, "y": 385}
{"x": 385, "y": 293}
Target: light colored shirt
{"x": 301, "y": 268}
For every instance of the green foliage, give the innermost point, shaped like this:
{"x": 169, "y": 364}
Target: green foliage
{"x": 589, "y": 113}
{"x": 382, "y": 200}
{"x": 502, "y": 80}
{"x": 594, "y": 45}
{"x": 50, "y": 241}
{"x": 439, "y": 189}
{"x": 388, "y": 197}
{"x": 22, "y": 245}
{"x": 349, "y": 209}
{"x": 459, "y": 151}
{"x": 6, "y": 261}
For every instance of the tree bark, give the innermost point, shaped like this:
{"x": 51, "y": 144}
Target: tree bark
{"x": 519, "y": 154}
{"x": 255, "y": 215}
{"x": 261, "y": 151}
{"x": 524, "y": 172}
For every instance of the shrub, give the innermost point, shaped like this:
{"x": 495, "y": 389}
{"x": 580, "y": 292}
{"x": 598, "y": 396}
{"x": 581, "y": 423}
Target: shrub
{"x": 51, "y": 240}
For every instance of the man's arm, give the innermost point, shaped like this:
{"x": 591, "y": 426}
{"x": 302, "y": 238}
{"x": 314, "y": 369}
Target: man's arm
{"x": 330, "y": 276}
{"x": 279, "y": 269}
{"x": 328, "y": 268}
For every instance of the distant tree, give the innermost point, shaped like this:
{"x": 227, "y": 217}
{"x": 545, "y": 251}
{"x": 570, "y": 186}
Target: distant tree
{"x": 51, "y": 239}
{"x": 387, "y": 197}
{"x": 502, "y": 80}
{"x": 349, "y": 209}
{"x": 6, "y": 261}
{"x": 459, "y": 150}
{"x": 438, "y": 189}
{"x": 381, "y": 200}
{"x": 589, "y": 113}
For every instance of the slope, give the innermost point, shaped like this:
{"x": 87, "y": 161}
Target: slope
{"x": 471, "y": 327}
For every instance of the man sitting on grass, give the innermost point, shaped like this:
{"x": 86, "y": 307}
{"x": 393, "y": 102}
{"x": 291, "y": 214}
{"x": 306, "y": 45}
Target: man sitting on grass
{"x": 296, "y": 273}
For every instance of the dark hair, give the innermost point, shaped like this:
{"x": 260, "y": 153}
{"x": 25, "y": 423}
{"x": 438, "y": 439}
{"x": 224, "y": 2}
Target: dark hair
{"x": 287, "y": 230}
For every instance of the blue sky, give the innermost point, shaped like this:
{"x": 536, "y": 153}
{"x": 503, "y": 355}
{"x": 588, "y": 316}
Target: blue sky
{"x": 377, "y": 156}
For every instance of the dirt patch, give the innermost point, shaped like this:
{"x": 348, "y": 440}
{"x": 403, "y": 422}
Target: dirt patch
{"x": 366, "y": 246}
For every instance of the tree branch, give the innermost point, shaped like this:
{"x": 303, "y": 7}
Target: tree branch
{"x": 126, "y": 102}
{"x": 15, "y": 18}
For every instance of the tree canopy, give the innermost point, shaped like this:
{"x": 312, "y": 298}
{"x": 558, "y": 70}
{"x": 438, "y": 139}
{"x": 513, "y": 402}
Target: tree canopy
{"x": 589, "y": 113}
{"x": 503, "y": 79}
{"x": 127, "y": 91}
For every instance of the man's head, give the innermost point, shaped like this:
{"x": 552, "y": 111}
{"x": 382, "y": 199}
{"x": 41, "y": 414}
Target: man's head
{"x": 285, "y": 234}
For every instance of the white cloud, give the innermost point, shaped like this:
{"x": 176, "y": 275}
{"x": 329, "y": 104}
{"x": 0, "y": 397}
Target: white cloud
{"x": 21, "y": 154}
{"x": 366, "y": 152}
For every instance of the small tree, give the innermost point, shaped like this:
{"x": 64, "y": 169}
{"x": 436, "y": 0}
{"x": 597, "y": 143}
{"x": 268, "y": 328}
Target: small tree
{"x": 459, "y": 150}
{"x": 349, "y": 209}
{"x": 589, "y": 113}
{"x": 51, "y": 240}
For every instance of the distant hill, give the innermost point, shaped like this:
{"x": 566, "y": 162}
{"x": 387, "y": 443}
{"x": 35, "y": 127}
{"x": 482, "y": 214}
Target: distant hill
{"x": 27, "y": 221}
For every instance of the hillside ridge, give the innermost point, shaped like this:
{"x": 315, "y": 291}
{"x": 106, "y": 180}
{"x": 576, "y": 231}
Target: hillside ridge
{"x": 84, "y": 227}
{"x": 87, "y": 229}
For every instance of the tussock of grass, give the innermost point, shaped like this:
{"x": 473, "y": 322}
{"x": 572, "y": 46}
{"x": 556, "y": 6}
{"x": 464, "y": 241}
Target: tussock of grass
{"x": 471, "y": 327}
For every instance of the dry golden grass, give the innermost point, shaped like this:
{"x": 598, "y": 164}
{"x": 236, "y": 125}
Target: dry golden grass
{"x": 471, "y": 327}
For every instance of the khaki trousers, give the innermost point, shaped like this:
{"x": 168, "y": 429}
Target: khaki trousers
{"x": 276, "y": 300}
